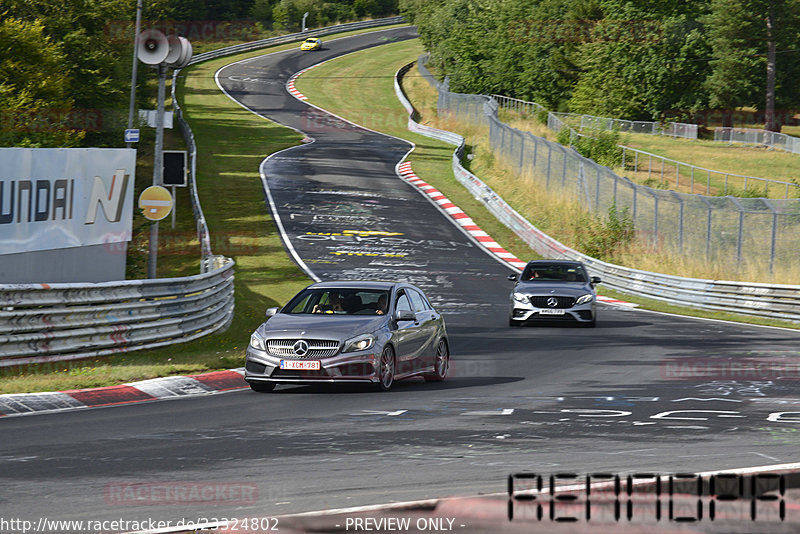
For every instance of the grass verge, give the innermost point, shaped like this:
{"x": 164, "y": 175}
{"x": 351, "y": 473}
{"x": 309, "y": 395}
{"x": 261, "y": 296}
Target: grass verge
{"x": 231, "y": 144}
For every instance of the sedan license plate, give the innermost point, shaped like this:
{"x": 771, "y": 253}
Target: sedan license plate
{"x": 300, "y": 365}
{"x": 551, "y": 312}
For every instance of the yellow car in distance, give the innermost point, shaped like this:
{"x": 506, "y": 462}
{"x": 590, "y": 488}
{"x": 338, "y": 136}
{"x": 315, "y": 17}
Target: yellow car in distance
{"x": 312, "y": 43}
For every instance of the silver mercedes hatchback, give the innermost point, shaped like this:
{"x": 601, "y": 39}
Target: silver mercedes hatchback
{"x": 375, "y": 332}
{"x": 554, "y": 290}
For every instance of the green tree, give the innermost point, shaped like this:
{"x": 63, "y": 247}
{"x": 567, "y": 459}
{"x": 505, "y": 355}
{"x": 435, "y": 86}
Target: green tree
{"x": 95, "y": 59}
{"x": 643, "y": 61}
{"x": 34, "y": 106}
{"x": 755, "y": 62}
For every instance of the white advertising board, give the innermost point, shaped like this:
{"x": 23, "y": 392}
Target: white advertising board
{"x": 53, "y": 198}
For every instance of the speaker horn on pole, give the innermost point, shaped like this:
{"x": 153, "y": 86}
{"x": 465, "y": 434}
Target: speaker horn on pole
{"x": 175, "y": 49}
{"x": 185, "y": 54}
{"x": 152, "y": 47}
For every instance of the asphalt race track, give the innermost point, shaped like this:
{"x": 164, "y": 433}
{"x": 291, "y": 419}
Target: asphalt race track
{"x": 547, "y": 399}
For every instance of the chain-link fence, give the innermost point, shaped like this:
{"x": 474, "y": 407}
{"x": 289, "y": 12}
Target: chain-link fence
{"x": 753, "y": 136}
{"x": 657, "y": 170}
{"x": 653, "y": 169}
{"x": 757, "y": 233}
{"x": 581, "y": 122}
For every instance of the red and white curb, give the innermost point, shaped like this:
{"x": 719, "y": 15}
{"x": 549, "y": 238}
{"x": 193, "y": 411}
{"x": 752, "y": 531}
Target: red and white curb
{"x": 290, "y": 84}
{"x": 169, "y": 387}
{"x": 616, "y": 302}
{"x": 458, "y": 215}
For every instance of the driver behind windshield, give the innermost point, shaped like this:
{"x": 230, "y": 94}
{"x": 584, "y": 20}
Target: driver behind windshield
{"x": 334, "y": 305}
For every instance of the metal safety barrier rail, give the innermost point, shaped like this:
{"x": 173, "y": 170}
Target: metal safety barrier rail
{"x": 55, "y": 322}
{"x": 746, "y": 298}
{"x": 282, "y": 39}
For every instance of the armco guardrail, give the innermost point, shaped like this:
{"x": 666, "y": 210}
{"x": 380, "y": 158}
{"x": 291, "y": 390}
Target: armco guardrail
{"x": 272, "y": 41}
{"x": 764, "y": 300}
{"x": 54, "y": 322}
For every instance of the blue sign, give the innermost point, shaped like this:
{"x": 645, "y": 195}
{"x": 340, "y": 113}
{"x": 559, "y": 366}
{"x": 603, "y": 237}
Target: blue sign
{"x": 132, "y": 136}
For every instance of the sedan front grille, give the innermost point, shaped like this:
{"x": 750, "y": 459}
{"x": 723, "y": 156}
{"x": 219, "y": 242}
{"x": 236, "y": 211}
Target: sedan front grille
{"x": 561, "y": 302}
{"x": 317, "y": 348}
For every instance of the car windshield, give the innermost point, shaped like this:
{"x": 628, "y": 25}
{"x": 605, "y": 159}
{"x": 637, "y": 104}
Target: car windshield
{"x": 338, "y": 301}
{"x": 554, "y": 272}
{"x": 311, "y": 40}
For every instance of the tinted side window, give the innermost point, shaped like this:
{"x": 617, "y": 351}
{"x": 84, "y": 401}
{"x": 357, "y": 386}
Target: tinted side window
{"x": 402, "y": 303}
{"x": 417, "y": 301}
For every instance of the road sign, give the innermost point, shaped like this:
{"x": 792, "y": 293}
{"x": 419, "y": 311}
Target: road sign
{"x": 155, "y": 202}
{"x": 132, "y": 136}
{"x": 174, "y": 168}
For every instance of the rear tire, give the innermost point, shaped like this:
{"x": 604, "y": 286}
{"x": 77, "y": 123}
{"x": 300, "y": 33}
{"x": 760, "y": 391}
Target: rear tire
{"x": 386, "y": 369}
{"x": 441, "y": 363}
{"x": 262, "y": 387}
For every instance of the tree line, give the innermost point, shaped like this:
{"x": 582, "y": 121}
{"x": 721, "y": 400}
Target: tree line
{"x": 692, "y": 60}
{"x": 65, "y": 65}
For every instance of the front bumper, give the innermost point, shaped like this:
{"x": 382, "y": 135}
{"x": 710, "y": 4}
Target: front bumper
{"x": 526, "y": 312}
{"x": 260, "y": 366}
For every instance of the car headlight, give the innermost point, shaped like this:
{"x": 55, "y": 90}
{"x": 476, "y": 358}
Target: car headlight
{"x": 257, "y": 342}
{"x": 583, "y": 299}
{"x": 521, "y": 298}
{"x": 362, "y": 342}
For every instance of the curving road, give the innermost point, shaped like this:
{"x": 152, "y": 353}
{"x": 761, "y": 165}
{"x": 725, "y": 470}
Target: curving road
{"x": 622, "y": 397}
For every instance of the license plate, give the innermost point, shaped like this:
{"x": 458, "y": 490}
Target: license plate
{"x": 300, "y": 365}
{"x": 551, "y": 312}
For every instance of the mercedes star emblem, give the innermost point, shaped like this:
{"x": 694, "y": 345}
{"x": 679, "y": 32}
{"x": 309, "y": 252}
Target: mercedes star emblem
{"x": 300, "y": 348}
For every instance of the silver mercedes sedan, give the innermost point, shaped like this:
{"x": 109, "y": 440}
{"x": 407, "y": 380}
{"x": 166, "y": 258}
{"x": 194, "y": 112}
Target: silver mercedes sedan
{"x": 374, "y": 332}
{"x": 551, "y": 290}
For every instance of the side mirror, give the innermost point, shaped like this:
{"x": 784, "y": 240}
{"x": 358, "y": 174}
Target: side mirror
{"x": 596, "y": 280}
{"x": 513, "y": 277}
{"x": 405, "y": 315}
{"x": 271, "y": 311}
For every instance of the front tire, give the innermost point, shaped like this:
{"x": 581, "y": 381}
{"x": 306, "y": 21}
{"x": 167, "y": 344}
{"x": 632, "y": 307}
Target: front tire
{"x": 513, "y": 323}
{"x": 441, "y": 363}
{"x": 262, "y": 387}
{"x": 386, "y": 369}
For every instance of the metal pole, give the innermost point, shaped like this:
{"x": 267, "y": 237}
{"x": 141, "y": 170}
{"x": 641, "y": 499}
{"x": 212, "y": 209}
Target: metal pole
{"x": 158, "y": 168}
{"x": 549, "y": 160}
{"x": 134, "y": 70}
{"x": 174, "y": 205}
{"x": 773, "y": 240}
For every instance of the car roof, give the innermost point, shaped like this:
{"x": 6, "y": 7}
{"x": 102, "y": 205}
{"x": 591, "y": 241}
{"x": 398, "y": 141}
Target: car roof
{"x": 355, "y": 284}
{"x": 557, "y": 262}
